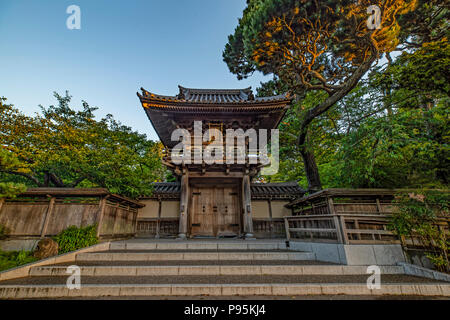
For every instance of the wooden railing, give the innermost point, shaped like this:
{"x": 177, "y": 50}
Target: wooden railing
{"x": 238, "y": 155}
{"x": 359, "y": 216}
{"x": 269, "y": 228}
{"x": 340, "y": 228}
{"x": 157, "y": 227}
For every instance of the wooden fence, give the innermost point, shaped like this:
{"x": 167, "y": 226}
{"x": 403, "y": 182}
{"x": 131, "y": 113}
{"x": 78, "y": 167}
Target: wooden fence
{"x": 44, "y": 212}
{"x": 269, "y": 228}
{"x": 348, "y": 216}
{"x": 168, "y": 227}
{"x": 157, "y": 227}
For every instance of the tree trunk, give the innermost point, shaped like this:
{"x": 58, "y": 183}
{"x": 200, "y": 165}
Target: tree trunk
{"x": 312, "y": 172}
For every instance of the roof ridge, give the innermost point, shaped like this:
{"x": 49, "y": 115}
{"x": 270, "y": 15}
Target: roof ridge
{"x": 203, "y": 90}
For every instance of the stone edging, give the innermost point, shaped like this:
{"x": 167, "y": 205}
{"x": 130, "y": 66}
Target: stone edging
{"x": 413, "y": 270}
{"x": 24, "y": 271}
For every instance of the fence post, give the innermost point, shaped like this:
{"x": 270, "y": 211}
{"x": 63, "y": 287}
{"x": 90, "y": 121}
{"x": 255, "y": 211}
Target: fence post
{"x": 48, "y": 214}
{"x": 344, "y": 230}
{"x": 158, "y": 221}
{"x": 2, "y": 201}
{"x": 379, "y": 208}
{"x": 101, "y": 213}
{"x": 286, "y": 226}
{"x": 337, "y": 225}
{"x": 116, "y": 216}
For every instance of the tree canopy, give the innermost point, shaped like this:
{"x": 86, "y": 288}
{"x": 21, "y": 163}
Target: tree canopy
{"x": 321, "y": 51}
{"x": 64, "y": 147}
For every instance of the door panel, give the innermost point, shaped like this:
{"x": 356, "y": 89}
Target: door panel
{"x": 202, "y": 216}
{"x": 214, "y": 211}
{"x": 228, "y": 222}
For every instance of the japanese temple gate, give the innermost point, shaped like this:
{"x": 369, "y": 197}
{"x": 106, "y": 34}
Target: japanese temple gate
{"x": 213, "y": 200}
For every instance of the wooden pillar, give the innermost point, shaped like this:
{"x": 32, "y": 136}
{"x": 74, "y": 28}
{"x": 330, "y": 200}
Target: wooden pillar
{"x": 101, "y": 213}
{"x": 48, "y": 214}
{"x": 247, "y": 205}
{"x": 158, "y": 221}
{"x": 184, "y": 201}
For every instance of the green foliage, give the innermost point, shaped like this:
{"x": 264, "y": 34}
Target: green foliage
{"x": 74, "y": 238}
{"x": 63, "y": 147}
{"x": 3, "y": 232}
{"x": 324, "y": 47}
{"x": 12, "y": 259}
{"x": 418, "y": 215}
{"x": 391, "y": 131}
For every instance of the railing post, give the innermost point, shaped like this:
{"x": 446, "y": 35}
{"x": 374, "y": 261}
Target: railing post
{"x": 286, "y": 226}
{"x": 344, "y": 230}
{"x": 337, "y": 225}
{"x": 269, "y": 203}
{"x": 379, "y": 208}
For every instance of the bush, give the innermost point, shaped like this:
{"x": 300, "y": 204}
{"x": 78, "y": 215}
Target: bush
{"x": 74, "y": 238}
{"x": 418, "y": 216}
{"x": 3, "y": 232}
{"x": 12, "y": 259}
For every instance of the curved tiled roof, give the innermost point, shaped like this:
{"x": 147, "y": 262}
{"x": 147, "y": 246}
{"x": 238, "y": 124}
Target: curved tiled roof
{"x": 276, "y": 190}
{"x": 287, "y": 190}
{"x": 211, "y": 96}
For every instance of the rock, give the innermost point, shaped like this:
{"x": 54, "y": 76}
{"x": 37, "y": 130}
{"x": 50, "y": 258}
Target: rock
{"x": 46, "y": 248}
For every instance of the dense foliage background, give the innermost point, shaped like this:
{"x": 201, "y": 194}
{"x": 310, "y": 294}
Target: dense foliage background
{"x": 66, "y": 147}
{"x": 371, "y": 106}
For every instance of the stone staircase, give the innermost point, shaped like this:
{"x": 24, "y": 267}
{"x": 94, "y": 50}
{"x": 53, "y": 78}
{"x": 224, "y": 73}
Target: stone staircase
{"x": 140, "y": 268}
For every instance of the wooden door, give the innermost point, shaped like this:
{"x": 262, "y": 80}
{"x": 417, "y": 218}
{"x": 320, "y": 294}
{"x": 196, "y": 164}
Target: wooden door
{"x": 214, "y": 211}
{"x": 202, "y": 215}
{"x": 228, "y": 213}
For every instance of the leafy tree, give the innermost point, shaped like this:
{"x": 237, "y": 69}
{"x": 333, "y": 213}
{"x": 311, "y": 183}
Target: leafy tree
{"x": 391, "y": 131}
{"x": 62, "y": 147}
{"x": 422, "y": 215}
{"x": 322, "y": 46}
{"x": 8, "y": 162}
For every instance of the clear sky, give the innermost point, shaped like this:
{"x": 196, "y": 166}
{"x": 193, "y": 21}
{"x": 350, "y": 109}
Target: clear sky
{"x": 122, "y": 46}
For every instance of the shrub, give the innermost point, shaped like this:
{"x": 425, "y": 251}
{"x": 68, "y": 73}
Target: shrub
{"x": 3, "y": 232}
{"x": 12, "y": 259}
{"x": 74, "y": 238}
{"x": 418, "y": 217}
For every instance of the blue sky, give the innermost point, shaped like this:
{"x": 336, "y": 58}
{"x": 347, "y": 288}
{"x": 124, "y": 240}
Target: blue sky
{"x": 122, "y": 46}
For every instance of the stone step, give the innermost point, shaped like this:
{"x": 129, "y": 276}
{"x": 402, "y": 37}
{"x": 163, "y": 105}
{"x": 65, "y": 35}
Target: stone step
{"x": 216, "y": 279}
{"x": 155, "y": 263}
{"x": 213, "y": 270}
{"x": 242, "y": 289}
{"x": 198, "y": 245}
{"x": 151, "y": 255}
